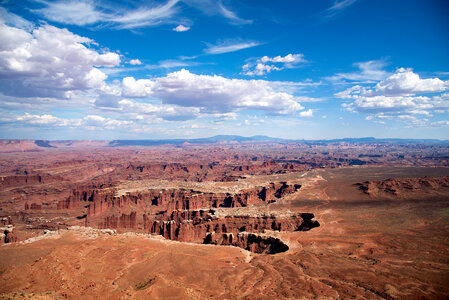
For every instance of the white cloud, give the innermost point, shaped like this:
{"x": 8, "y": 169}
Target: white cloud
{"x": 266, "y": 64}
{"x": 229, "y": 46}
{"x": 232, "y": 16}
{"x": 212, "y": 94}
{"x": 289, "y": 58}
{"x": 49, "y": 62}
{"x": 88, "y": 13}
{"x": 71, "y": 12}
{"x": 307, "y": 113}
{"x": 404, "y": 82}
{"x": 14, "y": 20}
{"x": 397, "y": 97}
{"x": 259, "y": 69}
{"x": 216, "y": 7}
{"x": 337, "y": 7}
{"x": 89, "y": 122}
{"x": 171, "y": 63}
{"x": 166, "y": 112}
{"x": 181, "y": 28}
{"x": 369, "y": 71}
{"x": 46, "y": 120}
{"x": 137, "y": 88}
{"x": 143, "y": 17}
{"x": 135, "y": 62}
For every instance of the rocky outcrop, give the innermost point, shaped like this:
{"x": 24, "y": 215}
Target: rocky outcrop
{"x": 120, "y": 222}
{"x": 202, "y": 226}
{"x": 396, "y": 187}
{"x": 85, "y": 194}
{"x": 248, "y": 241}
{"x": 102, "y": 199}
{"x": 27, "y": 179}
{"x": 33, "y": 206}
{"x": 208, "y": 172}
{"x": 187, "y": 215}
{"x": 7, "y": 230}
{"x": 180, "y": 199}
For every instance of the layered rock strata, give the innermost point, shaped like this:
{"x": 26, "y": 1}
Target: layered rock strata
{"x": 202, "y": 226}
{"x": 7, "y": 230}
{"x": 100, "y": 200}
{"x": 400, "y": 186}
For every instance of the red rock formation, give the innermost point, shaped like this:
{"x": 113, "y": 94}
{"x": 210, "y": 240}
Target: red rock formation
{"x": 201, "y": 226}
{"x": 33, "y": 206}
{"x": 100, "y": 200}
{"x": 7, "y": 230}
{"x": 27, "y": 179}
{"x": 190, "y": 200}
{"x": 207, "y": 172}
{"x": 399, "y": 186}
{"x": 248, "y": 241}
{"x": 124, "y": 221}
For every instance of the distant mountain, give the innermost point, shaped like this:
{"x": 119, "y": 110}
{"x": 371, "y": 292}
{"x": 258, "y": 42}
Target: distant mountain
{"x": 209, "y": 140}
{"x": 372, "y": 140}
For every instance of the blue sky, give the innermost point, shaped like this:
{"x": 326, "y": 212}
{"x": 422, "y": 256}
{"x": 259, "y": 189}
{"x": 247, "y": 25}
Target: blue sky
{"x": 196, "y": 68}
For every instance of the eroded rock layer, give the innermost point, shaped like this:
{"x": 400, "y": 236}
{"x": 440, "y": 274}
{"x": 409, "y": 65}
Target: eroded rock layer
{"x": 100, "y": 200}
{"x": 397, "y": 187}
{"x": 204, "y": 227}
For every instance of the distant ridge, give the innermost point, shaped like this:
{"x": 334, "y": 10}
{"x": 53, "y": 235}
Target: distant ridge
{"x": 209, "y": 140}
{"x": 261, "y": 138}
{"x": 39, "y": 144}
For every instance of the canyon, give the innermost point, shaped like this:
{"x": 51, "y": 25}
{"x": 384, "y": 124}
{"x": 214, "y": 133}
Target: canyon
{"x": 258, "y": 219}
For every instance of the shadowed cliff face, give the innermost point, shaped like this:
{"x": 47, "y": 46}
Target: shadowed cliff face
{"x": 187, "y": 215}
{"x": 241, "y": 230}
{"x": 100, "y": 200}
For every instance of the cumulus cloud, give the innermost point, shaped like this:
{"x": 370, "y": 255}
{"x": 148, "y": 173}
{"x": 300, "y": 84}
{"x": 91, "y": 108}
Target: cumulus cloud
{"x": 89, "y": 122}
{"x": 49, "y": 62}
{"x": 137, "y": 88}
{"x": 229, "y": 46}
{"x": 135, "y": 62}
{"x": 402, "y": 96}
{"x": 307, "y": 113}
{"x": 181, "y": 28}
{"x": 212, "y": 94}
{"x": 166, "y": 112}
{"x": 369, "y": 71}
{"x": 404, "y": 83}
{"x": 265, "y": 64}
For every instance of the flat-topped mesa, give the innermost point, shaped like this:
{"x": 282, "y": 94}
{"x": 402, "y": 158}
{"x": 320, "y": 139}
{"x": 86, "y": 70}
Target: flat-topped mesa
{"x": 190, "y": 200}
{"x": 203, "y": 227}
{"x": 27, "y": 179}
{"x": 208, "y": 172}
{"x": 101, "y": 199}
{"x": 397, "y": 187}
